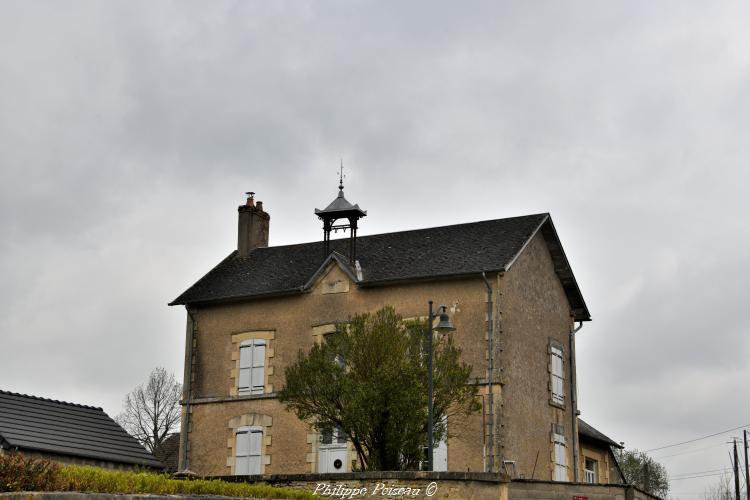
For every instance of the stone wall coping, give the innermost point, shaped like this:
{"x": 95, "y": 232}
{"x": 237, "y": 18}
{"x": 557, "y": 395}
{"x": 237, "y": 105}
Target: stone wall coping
{"x": 549, "y": 481}
{"x": 484, "y": 477}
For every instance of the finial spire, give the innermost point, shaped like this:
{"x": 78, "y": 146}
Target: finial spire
{"x": 341, "y": 176}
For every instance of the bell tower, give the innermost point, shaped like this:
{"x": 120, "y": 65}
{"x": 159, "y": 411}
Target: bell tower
{"x": 346, "y": 214}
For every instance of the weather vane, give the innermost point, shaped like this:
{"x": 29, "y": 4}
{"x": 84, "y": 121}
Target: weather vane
{"x": 341, "y": 175}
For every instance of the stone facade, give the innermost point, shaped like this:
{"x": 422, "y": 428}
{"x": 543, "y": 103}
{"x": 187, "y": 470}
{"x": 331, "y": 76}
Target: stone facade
{"x": 530, "y": 312}
{"x": 534, "y": 315}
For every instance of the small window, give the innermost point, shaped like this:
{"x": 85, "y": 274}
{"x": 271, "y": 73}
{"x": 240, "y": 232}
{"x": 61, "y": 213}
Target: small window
{"x": 332, "y": 435}
{"x": 339, "y": 358}
{"x": 248, "y": 450}
{"x": 591, "y": 468}
{"x": 557, "y": 375}
{"x": 561, "y": 458}
{"x": 252, "y": 367}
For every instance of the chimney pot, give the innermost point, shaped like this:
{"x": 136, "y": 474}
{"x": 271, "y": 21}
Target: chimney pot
{"x": 259, "y": 206}
{"x": 250, "y": 198}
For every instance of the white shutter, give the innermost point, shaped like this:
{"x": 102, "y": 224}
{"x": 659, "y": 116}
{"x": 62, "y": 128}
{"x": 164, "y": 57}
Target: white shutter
{"x": 243, "y": 444}
{"x": 246, "y": 363}
{"x": 246, "y": 355}
{"x": 557, "y": 374}
{"x": 252, "y": 378}
{"x": 244, "y": 382}
{"x": 248, "y": 452}
{"x": 242, "y": 466}
{"x": 561, "y": 458}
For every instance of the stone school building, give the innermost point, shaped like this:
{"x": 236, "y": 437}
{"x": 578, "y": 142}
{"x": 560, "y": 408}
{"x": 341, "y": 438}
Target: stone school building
{"x": 509, "y": 291}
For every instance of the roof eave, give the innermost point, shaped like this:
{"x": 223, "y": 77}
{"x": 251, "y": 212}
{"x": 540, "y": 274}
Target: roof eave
{"x": 239, "y": 298}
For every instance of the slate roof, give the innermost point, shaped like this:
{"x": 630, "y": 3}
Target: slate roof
{"x": 586, "y": 431}
{"x": 46, "y": 425}
{"x": 169, "y": 452}
{"x": 433, "y": 253}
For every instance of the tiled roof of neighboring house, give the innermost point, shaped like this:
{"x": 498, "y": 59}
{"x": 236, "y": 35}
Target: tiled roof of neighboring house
{"x": 586, "y": 431}
{"x": 169, "y": 452}
{"x": 439, "y": 252}
{"x": 45, "y": 425}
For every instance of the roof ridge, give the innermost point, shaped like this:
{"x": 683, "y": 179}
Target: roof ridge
{"x": 397, "y": 232}
{"x": 39, "y": 398}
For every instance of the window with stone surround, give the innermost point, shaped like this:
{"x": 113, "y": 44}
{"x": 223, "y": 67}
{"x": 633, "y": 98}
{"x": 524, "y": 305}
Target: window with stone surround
{"x": 252, "y": 377}
{"x": 252, "y": 353}
{"x": 248, "y": 456}
{"x": 249, "y": 443}
{"x": 560, "y": 455}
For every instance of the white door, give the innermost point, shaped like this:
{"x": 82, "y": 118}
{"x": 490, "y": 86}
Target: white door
{"x": 332, "y": 452}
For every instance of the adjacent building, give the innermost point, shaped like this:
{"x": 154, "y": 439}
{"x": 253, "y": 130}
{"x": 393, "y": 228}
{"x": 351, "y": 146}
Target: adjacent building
{"x": 509, "y": 290}
{"x": 598, "y": 461}
{"x": 67, "y": 433}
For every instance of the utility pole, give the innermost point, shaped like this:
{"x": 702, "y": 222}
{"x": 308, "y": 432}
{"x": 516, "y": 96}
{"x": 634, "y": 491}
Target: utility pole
{"x": 747, "y": 471}
{"x": 736, "y": 472}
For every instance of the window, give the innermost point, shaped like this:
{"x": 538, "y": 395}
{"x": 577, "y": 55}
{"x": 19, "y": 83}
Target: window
{"x": 561, "y": 459}
{"x": 247, "y": 450}
{"x": 590, "y": 469}
{"x": 252, "y": 367}
{"x": 556, "y": 374}
{"x": 331, "y": 435}
{"x": 339, "y": 358}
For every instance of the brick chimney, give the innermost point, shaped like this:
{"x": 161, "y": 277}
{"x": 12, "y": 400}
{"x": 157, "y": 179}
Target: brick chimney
{"x": 252, "y": 228}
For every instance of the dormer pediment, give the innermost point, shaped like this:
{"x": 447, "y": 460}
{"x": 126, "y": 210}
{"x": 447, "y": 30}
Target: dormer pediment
{"x": 335, "y": 275}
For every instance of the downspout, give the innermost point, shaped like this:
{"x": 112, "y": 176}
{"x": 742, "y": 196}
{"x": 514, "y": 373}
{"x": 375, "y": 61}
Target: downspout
{"x": 187, "y": 390}
{"x": 490, "y": 395}
{"x": 574, "y": 402}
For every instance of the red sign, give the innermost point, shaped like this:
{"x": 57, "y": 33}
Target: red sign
{"x": 576, "y": 497}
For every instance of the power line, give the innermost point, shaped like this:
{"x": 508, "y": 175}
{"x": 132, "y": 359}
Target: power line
{"x": 698, "y": 439}
{"x": 723, "y": 469}
{"x": 689, "y": 451}
{"x": 695, "y": 477}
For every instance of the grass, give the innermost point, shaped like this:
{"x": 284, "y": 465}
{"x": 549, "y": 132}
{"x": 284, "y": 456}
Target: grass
{"x": 18, "y": 473}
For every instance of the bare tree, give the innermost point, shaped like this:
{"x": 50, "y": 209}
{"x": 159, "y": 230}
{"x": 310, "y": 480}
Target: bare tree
{"x": 723, "y": 489}
{"x": 152, "y": 411}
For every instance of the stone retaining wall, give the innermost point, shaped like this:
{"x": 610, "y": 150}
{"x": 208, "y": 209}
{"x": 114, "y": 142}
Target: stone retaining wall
{"x": 526, "y": 489}
{"x": 406, "y": 484}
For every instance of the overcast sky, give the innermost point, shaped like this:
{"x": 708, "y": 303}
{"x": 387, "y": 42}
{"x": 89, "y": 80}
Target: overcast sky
{"x": 129, "y": 132}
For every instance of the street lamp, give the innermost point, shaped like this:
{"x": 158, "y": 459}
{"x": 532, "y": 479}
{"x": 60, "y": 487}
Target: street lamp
{"x": 443, "y": 326}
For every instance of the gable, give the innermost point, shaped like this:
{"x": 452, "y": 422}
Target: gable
{"x": 331, "y": 280}
{"x": 545, "y": 239}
